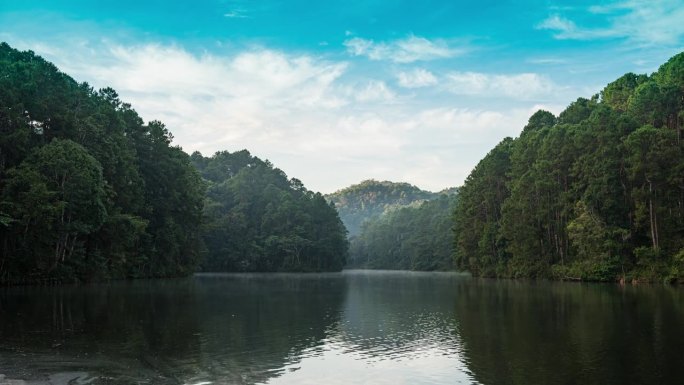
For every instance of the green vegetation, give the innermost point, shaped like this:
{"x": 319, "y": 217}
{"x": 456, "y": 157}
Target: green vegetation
{"x": 396, "y": 225}
{"x": 88, "y": 191}
{"x": 596, "y": 193}
{"x": 370, "y": 199}
{"x": 407, "y": 238}
{"x": 258, "y": 220}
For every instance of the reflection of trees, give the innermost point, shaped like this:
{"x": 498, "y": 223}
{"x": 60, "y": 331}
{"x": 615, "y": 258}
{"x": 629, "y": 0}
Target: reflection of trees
{"x": 399, "y": 314}
{"x": 544, "y": 333}
{"x": 253, "y": 325}
{"x": 126, "y": 329}
{"x": 246, "y": 329}
{"x": 235, "y": 330}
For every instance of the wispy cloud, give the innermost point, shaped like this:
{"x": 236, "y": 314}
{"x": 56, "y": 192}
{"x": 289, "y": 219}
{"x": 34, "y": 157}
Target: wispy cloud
{"x": 410, "y": 49}
{"x": 641, "y": 22}
{"x": 524, "y": 86}
{"x": 416, "y": 78}
{"x": 547, "y": 60}
{"x": 567, "y": 29}
{"x": 236, "y": 14}
{"x": 373, "y": 90}
{"x": 305, "y": 113}
{"x": 211, "y": 101}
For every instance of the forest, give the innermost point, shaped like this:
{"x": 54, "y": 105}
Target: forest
{"x": 256, "y": 219}
{"x": 413, "y": 237}
{"x": 396, "y": 226}
{"x": 370, "y": 199}
{"x": 595, "y": 193}
{"x": 89, "y": 191}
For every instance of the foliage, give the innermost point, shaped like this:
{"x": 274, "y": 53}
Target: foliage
{"x": 370, "y": 199}
{"x": 408, "y": 238}
{"x": 595, "y": 194}
{"x": 87, "y": 190}
{"x": 256, "y": 219}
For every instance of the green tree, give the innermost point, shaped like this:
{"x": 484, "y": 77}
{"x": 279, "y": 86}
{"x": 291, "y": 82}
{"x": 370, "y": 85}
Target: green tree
{"x": 256, "y": 219}
{"x": 57, "y": 195}
{"x": 597, "y": 194}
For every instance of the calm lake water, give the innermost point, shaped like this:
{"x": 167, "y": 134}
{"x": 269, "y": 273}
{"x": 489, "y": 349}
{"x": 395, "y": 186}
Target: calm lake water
{"x": 357, "y": 327}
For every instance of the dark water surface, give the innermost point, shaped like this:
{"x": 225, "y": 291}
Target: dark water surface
{"x": 357, "y": 327}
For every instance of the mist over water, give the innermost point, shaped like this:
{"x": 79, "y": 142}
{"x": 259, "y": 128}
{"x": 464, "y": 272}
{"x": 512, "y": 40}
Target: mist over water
{"x": 370, "y": 327}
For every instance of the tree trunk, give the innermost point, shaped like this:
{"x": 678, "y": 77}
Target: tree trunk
{"x": 652, "y": 217}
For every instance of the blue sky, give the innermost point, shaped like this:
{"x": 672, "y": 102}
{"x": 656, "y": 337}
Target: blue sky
{"x": 334, "y": 92}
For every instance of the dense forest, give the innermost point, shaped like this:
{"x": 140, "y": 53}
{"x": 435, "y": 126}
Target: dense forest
{"x": 88, "y": 191}
{"x": 370, "y": 198}
{"x": 596, "y": 193}
{"x": 256, "y": 219}
{"x": 408, "y": 238}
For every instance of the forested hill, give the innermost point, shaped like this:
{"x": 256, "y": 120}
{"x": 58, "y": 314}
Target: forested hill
{"x": 369, "y": 199}
{"x": 415, "y": 237}
{"x": 256, "y": 219}
{"x": 596, "y": 193}
{"x": 87, "y": 189}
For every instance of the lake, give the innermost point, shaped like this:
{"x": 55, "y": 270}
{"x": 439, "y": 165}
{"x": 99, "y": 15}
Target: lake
{"x": 355, "y": 327}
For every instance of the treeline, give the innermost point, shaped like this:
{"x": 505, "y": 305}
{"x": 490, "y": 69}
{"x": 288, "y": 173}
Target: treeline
{"x": 370, "y": 199}
{"x": 408, "y": 238}
{"x": 256, "y": 219}
{"x": 87, "y": 190}
{"x": 596, "y": 193}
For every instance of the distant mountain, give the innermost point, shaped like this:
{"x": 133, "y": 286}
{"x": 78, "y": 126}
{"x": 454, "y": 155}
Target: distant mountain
{"x": 370, "y": 199}
{"x": 415, "y": 237}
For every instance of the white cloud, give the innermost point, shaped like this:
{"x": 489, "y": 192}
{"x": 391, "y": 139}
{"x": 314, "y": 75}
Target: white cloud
{"x": 310, "y": 116}
{"x": 211, "y": 101}
{"x": 416, "y": 78}
{"x": 523, "y": 86}
{"x": 642, "y": 22}
{"x": 374, "y": 91}
{"x": 407, "y": 50}
{"x": 564, "y": 28}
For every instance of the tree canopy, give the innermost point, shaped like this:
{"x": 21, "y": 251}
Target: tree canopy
{"x": 87, "y": 189}
{"x": 256, "y": 219}
{"x": 408, "y": 238}
{"x": 596, "y": 193}
{"x": 370, "y": 198}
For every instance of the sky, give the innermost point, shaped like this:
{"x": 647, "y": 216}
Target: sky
{"x": 335, "y": 92}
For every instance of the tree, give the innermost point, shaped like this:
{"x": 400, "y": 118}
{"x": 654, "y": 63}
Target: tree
{"x": 139, "y": 217}
{"x": 57, "y": 194}
{"x": 597, "y": 194}
{"x": 256, "y": 219}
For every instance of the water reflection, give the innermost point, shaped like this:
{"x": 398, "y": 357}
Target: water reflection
{"x": 355, "y": 327}
{"x": 560, "y": 333}
{"x": 254, "y": 325}
{"x": 395, "y": 328}
{"x": 123, "y": 330}
{"x": 222, "y": 329}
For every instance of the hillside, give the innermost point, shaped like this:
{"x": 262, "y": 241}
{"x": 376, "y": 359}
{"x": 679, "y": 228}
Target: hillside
{"x": 370, "y": 198}
{"x": 595, "y": 193}
{"x": 415, "y": 237}
{"x": 256, "y": 219}
{"x": 88, "y": 191}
